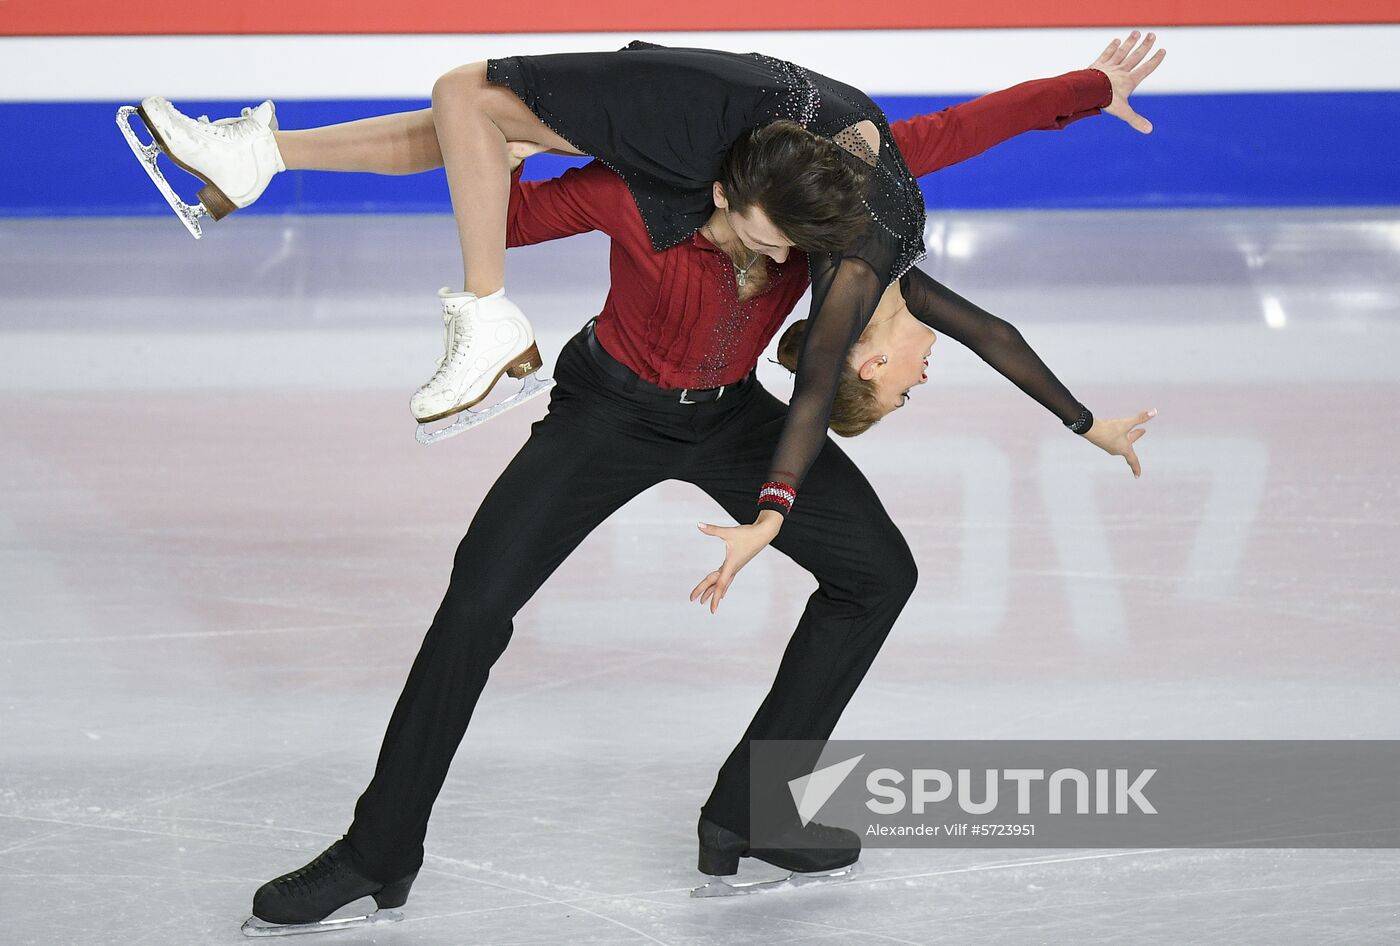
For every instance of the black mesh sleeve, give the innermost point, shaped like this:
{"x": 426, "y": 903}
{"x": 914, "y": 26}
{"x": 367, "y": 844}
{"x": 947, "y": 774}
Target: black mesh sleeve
{"x": 995, "y": 341}
{"x": 846, "y": 286}
{"x": 845, "y": 291}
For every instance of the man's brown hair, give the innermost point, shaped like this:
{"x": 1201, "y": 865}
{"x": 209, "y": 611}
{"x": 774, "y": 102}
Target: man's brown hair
{"x": 810, "y": 188}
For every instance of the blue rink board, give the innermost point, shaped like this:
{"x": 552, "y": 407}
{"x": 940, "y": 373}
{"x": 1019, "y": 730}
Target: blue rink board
{"x": 1264, "y": 149}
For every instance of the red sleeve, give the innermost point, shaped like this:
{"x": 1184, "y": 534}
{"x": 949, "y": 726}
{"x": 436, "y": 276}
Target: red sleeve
{"x": 581, "y": 199}
{"x": 937, "y": 140}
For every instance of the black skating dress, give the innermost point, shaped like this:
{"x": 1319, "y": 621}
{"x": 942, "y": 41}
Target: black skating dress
{"x": 663, "y": 118}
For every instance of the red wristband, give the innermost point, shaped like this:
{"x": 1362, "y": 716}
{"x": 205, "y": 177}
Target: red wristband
{"x": 777, "y": 495}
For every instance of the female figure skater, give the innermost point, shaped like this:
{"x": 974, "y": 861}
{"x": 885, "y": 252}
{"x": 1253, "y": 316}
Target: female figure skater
{"x": 663, "y": 118}
{"x": 660, "y": 386}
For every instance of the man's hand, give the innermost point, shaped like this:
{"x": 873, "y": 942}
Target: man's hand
{"x": 518, "y": 151}
{"x": 1117, "y": 437}
{"x": 1124, "y": 66}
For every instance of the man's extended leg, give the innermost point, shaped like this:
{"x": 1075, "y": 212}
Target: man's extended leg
{"x": 568, "y": 478}
{"x": 586, "y": 458}
{"x": 839, "y": 531}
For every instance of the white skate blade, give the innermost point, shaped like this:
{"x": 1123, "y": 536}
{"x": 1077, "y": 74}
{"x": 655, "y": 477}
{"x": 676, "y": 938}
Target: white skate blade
{"x": 724, "y": 887}
{"x": 256, "y": 927}
{"x": 532, "y": 386}
{"x": 147, "y": 153}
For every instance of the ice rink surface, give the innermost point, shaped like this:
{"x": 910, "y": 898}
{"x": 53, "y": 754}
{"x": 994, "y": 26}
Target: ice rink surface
{"x": 220, "y": 546}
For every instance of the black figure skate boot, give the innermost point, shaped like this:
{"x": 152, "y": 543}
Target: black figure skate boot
{"x": 817, "y": 853}
{"x": 300, "y": 901}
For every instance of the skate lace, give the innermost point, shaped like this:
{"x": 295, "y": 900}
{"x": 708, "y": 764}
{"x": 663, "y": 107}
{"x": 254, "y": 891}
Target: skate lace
{"x": 230, "y": 128}
{"x": 825, "y": 833}
{"x": 313, "y": 876}
{"x": 456, "y": 339}
{"x": 816, "y": 834}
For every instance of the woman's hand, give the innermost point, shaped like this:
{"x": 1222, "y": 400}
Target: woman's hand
{"x": 1118, "y": 436}
{"x": 1125, "y": 70}
{"x": 741, "y": 543}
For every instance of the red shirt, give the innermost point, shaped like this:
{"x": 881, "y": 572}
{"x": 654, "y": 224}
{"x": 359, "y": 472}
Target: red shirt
{"x": 673, "y": 316}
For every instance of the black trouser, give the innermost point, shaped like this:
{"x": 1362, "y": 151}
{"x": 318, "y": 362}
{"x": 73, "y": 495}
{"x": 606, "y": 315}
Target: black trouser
{"x": 598, "y": 447}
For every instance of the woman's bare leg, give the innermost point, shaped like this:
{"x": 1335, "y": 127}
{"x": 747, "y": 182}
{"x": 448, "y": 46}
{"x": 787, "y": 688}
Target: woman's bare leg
{"x": 466, "y": 131}
{"x": 402, "y": 143}
{"x": 474, "y": 120}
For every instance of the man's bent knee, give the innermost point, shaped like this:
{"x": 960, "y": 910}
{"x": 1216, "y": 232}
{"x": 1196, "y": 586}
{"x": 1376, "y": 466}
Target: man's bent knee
{"x": 895, "y": 573}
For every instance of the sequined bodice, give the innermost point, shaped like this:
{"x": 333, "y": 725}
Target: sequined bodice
{"x": 760, "y": 89}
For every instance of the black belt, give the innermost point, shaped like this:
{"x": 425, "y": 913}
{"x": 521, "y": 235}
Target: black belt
{"x": 634, "y": 384}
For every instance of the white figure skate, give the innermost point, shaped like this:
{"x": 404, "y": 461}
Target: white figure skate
{"x": 234, "y": 157}
{"x": 483, "y": 338}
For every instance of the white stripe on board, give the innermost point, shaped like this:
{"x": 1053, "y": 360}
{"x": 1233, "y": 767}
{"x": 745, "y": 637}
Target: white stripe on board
{"x": 1200, "y": 59}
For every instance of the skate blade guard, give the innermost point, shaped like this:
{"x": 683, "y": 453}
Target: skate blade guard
{"x": 727, "y": 887}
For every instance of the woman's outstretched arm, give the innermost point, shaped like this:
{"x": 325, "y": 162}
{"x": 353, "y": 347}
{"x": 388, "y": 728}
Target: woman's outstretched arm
{"x": 994, "y": 340}
{"x": 845, "y": 291}
{"x": 1001, "y": 345}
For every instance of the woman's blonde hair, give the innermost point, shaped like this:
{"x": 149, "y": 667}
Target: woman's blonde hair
{"x": 857, "y": 405}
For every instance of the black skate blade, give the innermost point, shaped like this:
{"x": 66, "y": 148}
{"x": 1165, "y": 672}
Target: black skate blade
{"x": 726, "y": 887}
{"x": 256, "y": 927}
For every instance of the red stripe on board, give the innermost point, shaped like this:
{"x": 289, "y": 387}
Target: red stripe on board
{"x": 102, "y": 17}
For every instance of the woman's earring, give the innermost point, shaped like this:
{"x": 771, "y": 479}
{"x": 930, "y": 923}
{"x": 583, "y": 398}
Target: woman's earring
{"x": 884, "y": 359}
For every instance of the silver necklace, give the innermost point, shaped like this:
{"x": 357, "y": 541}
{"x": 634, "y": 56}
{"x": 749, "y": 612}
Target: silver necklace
{"x": 741, "y": 273}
